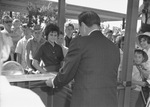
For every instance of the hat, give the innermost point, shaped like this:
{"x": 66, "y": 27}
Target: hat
{"x": 147, "y": 34}
{"x": 143, "y": 53}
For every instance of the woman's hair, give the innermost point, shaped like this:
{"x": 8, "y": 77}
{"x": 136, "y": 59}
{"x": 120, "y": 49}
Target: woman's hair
{"x": 51, "y": 28}
{"x": 89, "y": 18}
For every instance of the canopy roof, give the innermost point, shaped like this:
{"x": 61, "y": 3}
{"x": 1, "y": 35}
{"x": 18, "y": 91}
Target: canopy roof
{"x": 71, "y": 11}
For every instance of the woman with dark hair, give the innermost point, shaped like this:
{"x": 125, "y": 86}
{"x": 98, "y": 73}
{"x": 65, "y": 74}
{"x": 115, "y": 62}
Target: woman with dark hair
{"x": 49, "y": 52}
{"x": 144, "y": 42}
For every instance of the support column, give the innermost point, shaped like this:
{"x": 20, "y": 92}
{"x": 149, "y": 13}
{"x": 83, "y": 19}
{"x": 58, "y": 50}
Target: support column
{"x": 129, "y": 46}
{"x": 61, "y": 14}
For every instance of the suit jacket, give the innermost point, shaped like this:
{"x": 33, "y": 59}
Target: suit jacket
{"x": 92, "y": 61}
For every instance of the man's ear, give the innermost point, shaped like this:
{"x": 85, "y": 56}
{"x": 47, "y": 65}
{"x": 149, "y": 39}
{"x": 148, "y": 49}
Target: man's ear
{"x": 84, "y": 27}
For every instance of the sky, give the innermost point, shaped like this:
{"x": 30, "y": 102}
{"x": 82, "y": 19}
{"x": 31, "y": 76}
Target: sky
{"x": 119, "y": 6}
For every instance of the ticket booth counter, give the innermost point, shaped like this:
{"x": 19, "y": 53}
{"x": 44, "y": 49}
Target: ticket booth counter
{"x": 59, "y": 97}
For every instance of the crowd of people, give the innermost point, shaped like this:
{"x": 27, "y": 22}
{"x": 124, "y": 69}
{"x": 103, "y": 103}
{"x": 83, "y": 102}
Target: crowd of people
{"x": 88, "y": 58}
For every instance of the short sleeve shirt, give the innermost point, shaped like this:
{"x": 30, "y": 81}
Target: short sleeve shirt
{"x": 49, "y": 54}
{"x": 21, "y": 49}
{"x": 33, "y": 46}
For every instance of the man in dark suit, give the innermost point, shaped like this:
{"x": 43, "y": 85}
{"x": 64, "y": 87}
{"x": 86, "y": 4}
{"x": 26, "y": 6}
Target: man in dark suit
{"x": 92, "y": 61}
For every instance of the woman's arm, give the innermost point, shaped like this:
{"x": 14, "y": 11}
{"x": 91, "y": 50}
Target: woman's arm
{"x": 37, "y": 66}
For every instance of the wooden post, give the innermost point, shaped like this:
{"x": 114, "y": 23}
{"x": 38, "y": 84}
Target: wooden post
{"x": 129, "y": 46}
{"x": 61, "y": 14}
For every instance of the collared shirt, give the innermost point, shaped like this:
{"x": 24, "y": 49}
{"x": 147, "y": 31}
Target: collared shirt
{"x": 50, "y": 55}
{"x": 93, "y": 31}
{"x": 21, "y": 49}
{"x": 13, "y": 96}
{"x": 33, "y": 46}
{"x": 136, "y": 77}
{"x": 147, "y": 63}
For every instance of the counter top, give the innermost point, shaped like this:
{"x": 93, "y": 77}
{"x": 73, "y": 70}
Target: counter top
{"x": 30, "y": 77}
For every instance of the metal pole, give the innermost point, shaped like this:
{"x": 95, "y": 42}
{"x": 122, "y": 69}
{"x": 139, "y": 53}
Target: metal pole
{"x": 129, "y": 46}
{"x": 61, "y": 14}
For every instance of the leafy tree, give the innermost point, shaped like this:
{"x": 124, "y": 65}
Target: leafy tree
{"x": 37, "y": 15}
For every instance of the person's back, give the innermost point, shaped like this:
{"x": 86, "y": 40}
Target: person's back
{"x": 92, "y": 61}
{"x": 97, "y": 74}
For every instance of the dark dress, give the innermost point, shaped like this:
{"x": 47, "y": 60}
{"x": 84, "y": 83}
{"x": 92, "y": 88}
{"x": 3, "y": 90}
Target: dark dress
{"x": 92, "y": 61}
{"x": 51, "y": 56}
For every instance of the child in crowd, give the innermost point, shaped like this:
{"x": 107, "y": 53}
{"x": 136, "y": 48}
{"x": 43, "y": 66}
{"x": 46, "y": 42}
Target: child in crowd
{"x": 138, "y": 75}
{"x": 33, "y": 45}
{"x": 69, "y": 29}
{"x": 21, "y": 46}
{"x": 61, "y": 41}
{"x": 17, "y": 31}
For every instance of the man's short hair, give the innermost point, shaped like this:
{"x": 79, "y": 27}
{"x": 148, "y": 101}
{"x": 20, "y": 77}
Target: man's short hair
{"x": 69, "y": 24}
{"x": 89, "y": 18}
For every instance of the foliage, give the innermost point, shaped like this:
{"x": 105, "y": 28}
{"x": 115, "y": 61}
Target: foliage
{"x": 37, "y": 15}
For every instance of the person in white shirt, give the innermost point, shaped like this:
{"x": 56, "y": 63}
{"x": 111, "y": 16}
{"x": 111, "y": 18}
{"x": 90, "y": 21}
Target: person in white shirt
{"x": 21, "y": 46}
{"x": 14, "y": 96}
{"x": 137, "y": 100}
